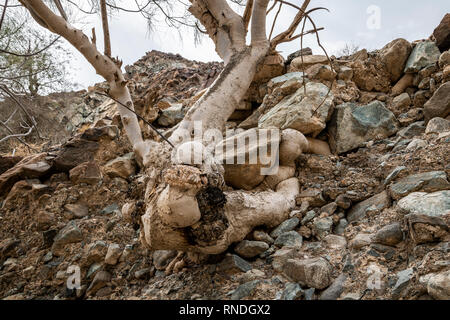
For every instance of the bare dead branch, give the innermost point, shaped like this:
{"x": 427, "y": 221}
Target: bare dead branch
{"x": 3, "y": 13}
{"x": 275, "y": 20}
{"x": 60, "y": 9}
{"x": 106, "y": 37}
{"x": 248, "y": 14}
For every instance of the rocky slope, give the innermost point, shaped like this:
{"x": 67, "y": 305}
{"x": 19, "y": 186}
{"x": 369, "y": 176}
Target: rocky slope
{"x": 372, "y": 220}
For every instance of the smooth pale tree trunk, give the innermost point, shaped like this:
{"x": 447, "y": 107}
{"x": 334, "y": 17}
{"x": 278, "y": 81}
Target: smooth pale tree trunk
{"x": 189, "y": 207}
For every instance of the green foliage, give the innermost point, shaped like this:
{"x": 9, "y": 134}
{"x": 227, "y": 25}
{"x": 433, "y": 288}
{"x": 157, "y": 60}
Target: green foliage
{"x": 24, "y": 72}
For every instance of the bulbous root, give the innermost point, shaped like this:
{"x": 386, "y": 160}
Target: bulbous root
{"x": 189, "y": 214}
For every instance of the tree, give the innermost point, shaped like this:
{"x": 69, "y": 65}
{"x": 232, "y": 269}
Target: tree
{"x": 188, "y": 205}
{"x": 32, "y": 62}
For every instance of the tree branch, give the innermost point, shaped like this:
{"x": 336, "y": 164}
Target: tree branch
{"x": 107, "y": 39}
{"x": 258, "y": 27}
{"x": 248, "y": 14}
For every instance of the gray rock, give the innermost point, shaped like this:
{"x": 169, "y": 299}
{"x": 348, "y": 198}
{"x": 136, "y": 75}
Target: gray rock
{"x": 172, "y": 115}
{"x": 292, "y": 291}
{"x": 424, "y": 54}
{"x": 233, "y": 264}
{"x": 334, "y": 291}
{"x": 110, "y": 209}
{"x": 329, "y": 208}
{"x": 393, "y": 175}
{"x": 439, "y": 104}
{"x": 278, "y": 81}
{"x": 244, "y": 290}
{"x": 313, "y": 196}
{"x": 434, "y": 204}
{"x": 143, "y": 273}
{"x": 389, "y": 235}
{"x": 427, "y": 182}
{"x": 352, "y": 125}
{"x": 290, "y": 239}
{"x": 250, "y": 249}
{"x": 101, "y": 279}
{"x": 322, "y": 227}
{"x": 309, "y": 216}
{"x": 280, "y": 257}
{"x": 296, "y": 111}
{"x": 340, "y": 228}
{"x": 314, "y": 272}
{"x": 285, "y": 226}
{"x": 416, "y": 144}
{"x": 437, "y": 125}
{"x": 309, "y": 294}
{"x": 361, "y": 240}
{"x": 298, "y": 53}
{"x": 411, "y": 131}
{"x": 377, "y": 202}
{"x": 404, "y": 277}
{"x": 69, "y": 234}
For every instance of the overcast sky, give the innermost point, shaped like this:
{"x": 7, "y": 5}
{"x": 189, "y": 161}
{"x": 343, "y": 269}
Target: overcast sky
{"x": 366, "y": 23}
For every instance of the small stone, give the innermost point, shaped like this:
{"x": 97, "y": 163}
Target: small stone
{"x": 244, "y": 290}
{"x": 340, "y": 228}
{"x": 280, "y": 257}
{"x": 393, "y": 174}
{"x": 121, "y": 167}
{"x": 77, "y": 211}
{"x": 310, "y": 215}
{"x": 290, "y": 239}
{"x": 427, "y": 182}
{"x": 335, "y": 242}
{"x": 142, "y": 274}
{"x": 438, "y": 125}
{"x": 250, "y": 249}
{"x": 251, "y": 275}
{"x": 343, "y": 202}
{"x": 401, "y": 102}
{"x": 322, "y": 227}
{"x": 113, "y": 254}
{"x": 404, "y": 277}
{"x": 233, "y": 264}
{"x": 69, "y": 234}
{"x": 86, "y": 172}
{"x": 313, "y": 196}
{"x": 416, "y": 144}
{"x": 345, "y": 73}
{"x": 286, "y": 226}
{"x": 329, "y": 209}
{"x": 309, "y": 294}
{"x": 334, "y": 291}
{"x": 112, "y": 208}
{"x": 379, "y": 201}
{"x": 101, "y": 279}
{"x": 361, "y": 240}
{"x": 96, "y": 251}
{"x": 292, "y": 291}
{"x": 314, "y": 272}
{"x": 389, "y": 235}
{"x": 262, "y": 236}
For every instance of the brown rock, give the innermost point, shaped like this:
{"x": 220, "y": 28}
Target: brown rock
{"x": 87, "y": 172}
{"x": 439, "y": 104}
{"x": 442, "y": 33}
{"x": 394, "y": 56}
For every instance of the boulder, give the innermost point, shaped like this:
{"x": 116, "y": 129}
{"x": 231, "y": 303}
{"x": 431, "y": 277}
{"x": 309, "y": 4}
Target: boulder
{"x": 394, "y": 56}
{"x": 250, "y": 249}
{"x": 305, "y": 113}
{"x": 30, "y": 167}
{"x": 439, "y": 104}
{"x": 303, "y": 52}
{"x": 172, "y": 115}
{"x": 424, "y": 54}
{"x": 442, "y": 33}
{"x": 438, "y": 125}
{"x": 426, "y": 182}
{"x": 377, "y": 202}
{"x": 297, "y": 65}
{"x": 351, "y": 125}
{"x": 434, "y": 204}
{"x": 121, "y": 167}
